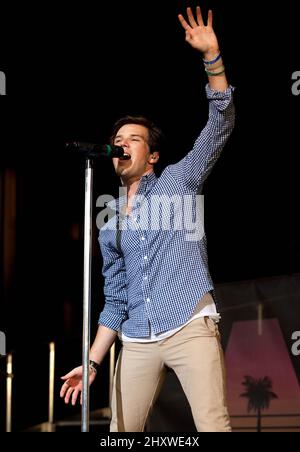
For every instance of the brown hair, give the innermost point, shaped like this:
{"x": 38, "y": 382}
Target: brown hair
{"x": 155, "y": 138}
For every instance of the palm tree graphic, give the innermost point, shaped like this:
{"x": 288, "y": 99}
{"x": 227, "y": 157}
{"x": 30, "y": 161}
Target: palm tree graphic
{"x": 259, "y": 394}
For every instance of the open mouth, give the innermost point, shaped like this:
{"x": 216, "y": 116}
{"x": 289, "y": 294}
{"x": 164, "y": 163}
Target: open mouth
{"x": 125, "y": 156}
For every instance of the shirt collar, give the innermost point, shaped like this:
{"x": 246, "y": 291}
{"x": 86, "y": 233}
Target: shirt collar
{"x": 145, "y": 184}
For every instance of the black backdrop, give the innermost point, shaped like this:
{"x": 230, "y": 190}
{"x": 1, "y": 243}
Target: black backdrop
{"x": 70, "y": 73}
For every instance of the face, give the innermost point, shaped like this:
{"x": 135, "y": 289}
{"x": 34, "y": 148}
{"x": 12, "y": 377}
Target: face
{"x": 134, "y": 139}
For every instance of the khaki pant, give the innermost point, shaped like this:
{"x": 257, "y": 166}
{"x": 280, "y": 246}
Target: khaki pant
{"x": 195, "y": 355}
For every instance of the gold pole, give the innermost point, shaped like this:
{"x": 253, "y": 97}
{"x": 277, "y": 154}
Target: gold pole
{"x": 111, "y": 371}
{"x": 51, "y": 385}
{"x": 9, "y": 377}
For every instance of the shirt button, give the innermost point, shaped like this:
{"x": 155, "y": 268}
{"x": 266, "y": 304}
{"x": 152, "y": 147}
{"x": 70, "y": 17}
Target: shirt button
{"x": 145, "y": 257}
{"x": 143, "y": 238}
{"x": 148, "y": 300}
{"x": 145, "y": 278}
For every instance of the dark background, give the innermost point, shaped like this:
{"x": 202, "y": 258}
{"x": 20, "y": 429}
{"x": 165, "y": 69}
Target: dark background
{"x": 70, "y": 74}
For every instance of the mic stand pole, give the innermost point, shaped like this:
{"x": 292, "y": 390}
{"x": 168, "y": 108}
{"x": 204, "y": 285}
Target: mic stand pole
{"x": 88, "y": 210}
{"x": 87, "y": 294}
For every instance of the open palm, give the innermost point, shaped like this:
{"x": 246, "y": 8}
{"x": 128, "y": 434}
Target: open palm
{"x": 72, "y": 387}
{"x": 201, "y": 37}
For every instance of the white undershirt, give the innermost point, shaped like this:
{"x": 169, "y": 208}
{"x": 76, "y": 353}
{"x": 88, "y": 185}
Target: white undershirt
{"x": 205, "y": 308}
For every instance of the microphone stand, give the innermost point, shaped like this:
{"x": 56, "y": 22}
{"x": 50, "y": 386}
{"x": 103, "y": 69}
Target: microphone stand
{"x": 85, "y": 410}
{"x": 117, "y": 151}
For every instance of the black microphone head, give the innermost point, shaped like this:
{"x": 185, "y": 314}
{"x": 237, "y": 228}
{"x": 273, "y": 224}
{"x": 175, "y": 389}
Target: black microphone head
{"x": 92, "y": 150}
{"x": 115, "y": 151}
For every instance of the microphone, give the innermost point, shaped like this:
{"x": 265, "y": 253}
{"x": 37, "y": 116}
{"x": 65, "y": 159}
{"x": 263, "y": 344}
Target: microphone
{"x": 97, "y": 150}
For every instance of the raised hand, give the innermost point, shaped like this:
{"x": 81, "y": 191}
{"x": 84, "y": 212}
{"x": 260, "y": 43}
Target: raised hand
{"x": 73, "y": 384}
{"x": 201, "y": 37}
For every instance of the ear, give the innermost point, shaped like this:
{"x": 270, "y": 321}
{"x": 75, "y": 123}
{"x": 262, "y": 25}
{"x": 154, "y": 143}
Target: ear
{"x": 154, "y": 157}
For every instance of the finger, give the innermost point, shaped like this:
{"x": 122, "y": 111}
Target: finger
{"x": 74, "y": 396}
{"x": 192, "y": 21}
{"x": 81, "y": 399}
{"x": 70, "y": 374}
{"x": 210, "y": 18}
{"x": 62, "y": 391}
{"x": 68, "y": 395}
{"x": 184, "y": 22}
{"x": 64, "y": 388}
{"x": 199, "y": 16}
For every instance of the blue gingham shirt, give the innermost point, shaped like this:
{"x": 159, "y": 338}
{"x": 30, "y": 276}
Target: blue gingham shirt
{"x": 154, "y": 278}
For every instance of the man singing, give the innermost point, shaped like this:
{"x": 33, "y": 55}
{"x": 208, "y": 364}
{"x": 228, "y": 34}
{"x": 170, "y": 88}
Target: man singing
{"x": 159, "y": 296}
